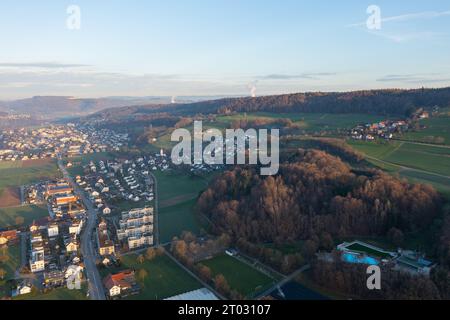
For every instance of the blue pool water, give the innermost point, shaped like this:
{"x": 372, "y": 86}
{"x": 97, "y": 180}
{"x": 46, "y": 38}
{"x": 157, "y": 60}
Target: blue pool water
{"x": 353, "y": 258}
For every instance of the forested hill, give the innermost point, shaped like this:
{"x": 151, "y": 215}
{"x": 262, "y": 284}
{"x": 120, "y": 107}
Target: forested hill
{"x": 392, "y": 102}
{"x": 398, "y": 102}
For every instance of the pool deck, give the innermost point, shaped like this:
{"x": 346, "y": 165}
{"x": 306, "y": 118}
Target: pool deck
{"x": 367, "y": 249}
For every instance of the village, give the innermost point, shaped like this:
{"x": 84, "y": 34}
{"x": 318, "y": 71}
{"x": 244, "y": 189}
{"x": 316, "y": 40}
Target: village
{"x": 387, "y": 129}
{"x": 110, "y": 202}
{"x": 121, "y": 183}
{"x": 120, "y": 191}
{"x": 53, "y": 247}
{"x": 69, "y": 140}
{"x": 51, "y": 244}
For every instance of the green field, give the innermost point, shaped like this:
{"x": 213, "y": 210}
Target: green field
{"x": 240, "y": 276}
{"x": 165, "y": 278}
{"x": 12, "y": 263}
{"x": 29, "y": 213}
{"x": 175, "y": 219}
{"x": 419, "y": 163}
{"x": 57, "y": 294}
{"x": 16, "y": 173}
{"x": 428, "y": 158}
{"x": 437, "y": 131}
{"x": 309, "y": 121}
{"x": 440, "y": 183}
{"x": 432, "y": 159}
{"x": 164, "y": 141}
{"x": 80, "y": 161}
{"x": 10, "y": 164}
{"x": 177, "y": 194}
{"x": 175, "y": 187}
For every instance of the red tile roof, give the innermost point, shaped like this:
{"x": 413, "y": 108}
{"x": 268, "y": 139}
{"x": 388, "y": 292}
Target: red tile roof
{"x": 124, "y": 280}
{"x": 10, "y": 235}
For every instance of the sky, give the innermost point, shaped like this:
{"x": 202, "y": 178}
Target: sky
{"x": 219, "y": 47}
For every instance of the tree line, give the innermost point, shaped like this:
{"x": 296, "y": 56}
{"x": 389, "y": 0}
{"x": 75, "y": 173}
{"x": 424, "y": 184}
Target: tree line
{"x": 382, "y": 102}
{"x": 191, "y": 251}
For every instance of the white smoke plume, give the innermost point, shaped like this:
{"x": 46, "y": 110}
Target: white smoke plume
{"x": 252, "y": 88}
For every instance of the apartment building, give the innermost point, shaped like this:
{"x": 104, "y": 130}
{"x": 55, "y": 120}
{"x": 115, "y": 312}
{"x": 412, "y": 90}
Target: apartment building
{"x": 37, "y": 254}
{"x": 104, "y": 242}
{"x": 136, "y": 228}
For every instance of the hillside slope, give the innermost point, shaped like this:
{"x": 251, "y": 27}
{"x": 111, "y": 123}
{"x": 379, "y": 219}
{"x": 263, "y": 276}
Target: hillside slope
{"x": 392, "y": 102}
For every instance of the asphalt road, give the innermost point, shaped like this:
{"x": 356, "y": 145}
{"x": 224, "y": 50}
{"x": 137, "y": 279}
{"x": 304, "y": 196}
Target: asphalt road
{"x": 96, "y": 291}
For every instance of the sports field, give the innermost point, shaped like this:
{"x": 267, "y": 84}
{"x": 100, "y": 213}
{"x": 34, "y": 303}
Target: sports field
{"x": 240, "y": 276}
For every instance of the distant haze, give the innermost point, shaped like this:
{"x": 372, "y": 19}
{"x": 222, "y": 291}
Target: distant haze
{"x": 52, "y": 107}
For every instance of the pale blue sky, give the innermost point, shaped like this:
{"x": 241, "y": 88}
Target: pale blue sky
{"x": 220, "y": 47}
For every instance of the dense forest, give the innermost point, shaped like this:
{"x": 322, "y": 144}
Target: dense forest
{"x": 392, "y": 102}
{"x": 382, "y": 102}
{"x": 318, "y": 199}
{"x": 312, "y": 194}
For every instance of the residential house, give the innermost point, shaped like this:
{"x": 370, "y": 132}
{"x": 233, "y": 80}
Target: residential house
{"x": 104, "y": 242}
{"x": 53, "y": 230}
{"x": 75, "y": 227}
{"x": 24, "y": 287}
{"x": 54, "y": 278}
{"x": 71, "y": 244}
{"x": 121, "y": 284}
{"x": 8, "y": 236}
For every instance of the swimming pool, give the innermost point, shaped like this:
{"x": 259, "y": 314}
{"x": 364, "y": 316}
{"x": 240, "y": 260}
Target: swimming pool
{"x": 355, "y": 258}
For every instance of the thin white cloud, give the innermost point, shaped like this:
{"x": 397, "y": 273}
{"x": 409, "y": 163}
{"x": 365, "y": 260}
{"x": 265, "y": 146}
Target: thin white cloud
{"x": 415, "y": 78}
{"x": 16, "y": 85}
{"x": 408, "y": 17}
{"x": 41, "y": 65}
{"x": 307, "y": 76}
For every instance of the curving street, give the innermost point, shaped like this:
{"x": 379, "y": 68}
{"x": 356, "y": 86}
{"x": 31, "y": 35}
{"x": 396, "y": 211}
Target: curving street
{"x": 87, "y": 243}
